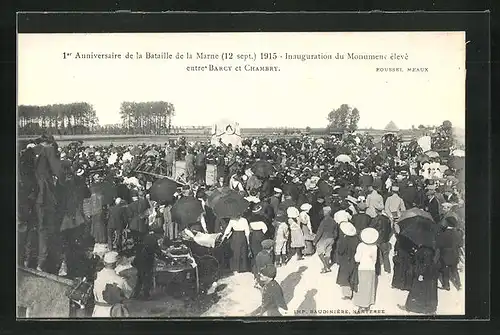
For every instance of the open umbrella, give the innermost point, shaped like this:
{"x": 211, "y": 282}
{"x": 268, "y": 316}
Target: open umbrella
{"x": 216, "y": 194}
{"x": 343, "y": 158}
{"x": 320, "y": 141}
{"x": 107, "y": 189}
{"x": 418, "y": 226}
{"x": 413, "y": 212}
{"x": 458, "y": 153}
{"x": 186, "y": 211}
{"x": 231, "y": 205}
{"x": 262, "y": 168}
{"x": 420, "y": 230}
{"x": 152, "y": 152}
{"x": 432, "y": 154}
{"x": 163, "y": 190}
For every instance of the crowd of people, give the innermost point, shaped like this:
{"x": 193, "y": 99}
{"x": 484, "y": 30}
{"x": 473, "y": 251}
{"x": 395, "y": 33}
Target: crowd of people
{"x": 340, "y": 199}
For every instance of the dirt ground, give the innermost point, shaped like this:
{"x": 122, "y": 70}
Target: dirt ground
{"x": 307, "y": 293}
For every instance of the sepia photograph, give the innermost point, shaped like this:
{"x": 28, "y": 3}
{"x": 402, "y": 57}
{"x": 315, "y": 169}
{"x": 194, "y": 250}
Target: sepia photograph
{"x": 252, "y": 174}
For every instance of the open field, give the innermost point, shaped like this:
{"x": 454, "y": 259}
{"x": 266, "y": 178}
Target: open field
{"x": 407, "y": 135}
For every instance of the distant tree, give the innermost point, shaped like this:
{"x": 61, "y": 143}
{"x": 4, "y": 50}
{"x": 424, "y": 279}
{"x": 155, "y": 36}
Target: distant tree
{"x": 308, "y": 129}
{"x": 421, "y": 126}
{"x": 343, "y": 118}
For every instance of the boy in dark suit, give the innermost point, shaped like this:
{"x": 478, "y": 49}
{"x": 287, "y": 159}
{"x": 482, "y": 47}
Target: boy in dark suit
{"x": 272, "y": 294}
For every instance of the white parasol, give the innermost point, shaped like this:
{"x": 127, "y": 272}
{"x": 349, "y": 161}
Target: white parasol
{"x": 320, "y": 141}
{"x": 343, "y": 158}
{"x": 458, "y": 153}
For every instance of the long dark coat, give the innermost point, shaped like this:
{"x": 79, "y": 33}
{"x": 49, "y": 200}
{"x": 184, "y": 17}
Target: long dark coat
{"x": 361, "y": 221}
{"x": 423, "y": 295}
{"x": 403, "y": 266}
{"x": 346, "y": 249}
{"x": 47, "y": 165}
{"x": 137, "y": 216}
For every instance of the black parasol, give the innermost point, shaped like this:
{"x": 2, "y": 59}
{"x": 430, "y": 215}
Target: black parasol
{"x": 231, "y": 205}
{"x": 163, "y": 190}
{"x": 262, "y": 168}
{"x": 420, "y": 229}
{"x": 186, "y": 211}
{"x": 216, "y": 194}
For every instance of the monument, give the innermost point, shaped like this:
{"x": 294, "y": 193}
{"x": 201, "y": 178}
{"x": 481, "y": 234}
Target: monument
{"x": 227, "y": 132}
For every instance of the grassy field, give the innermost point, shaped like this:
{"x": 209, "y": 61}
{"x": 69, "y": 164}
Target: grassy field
{"x": 199, "y": 136}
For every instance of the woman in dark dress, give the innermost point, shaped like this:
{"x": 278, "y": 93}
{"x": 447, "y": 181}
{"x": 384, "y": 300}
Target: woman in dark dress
{"x": 423, "y": 295}
{"x": 346, "y": 249}
{"x": 403, "y": 263}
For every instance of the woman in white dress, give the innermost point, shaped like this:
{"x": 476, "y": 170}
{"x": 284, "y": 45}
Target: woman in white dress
{"x": 366, "y": 257}
{"x": 296, "y": 234}
{"x": 305, "y": 223}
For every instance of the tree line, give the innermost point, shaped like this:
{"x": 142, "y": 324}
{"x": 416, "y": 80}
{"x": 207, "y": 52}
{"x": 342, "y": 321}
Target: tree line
{"x": 153, "y": 117}
{"x": 73, "y": 118}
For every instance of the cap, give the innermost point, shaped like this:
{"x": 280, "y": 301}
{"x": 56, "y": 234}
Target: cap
{"x": 277, "y": 190}
{"x": 267, "y": 244}
{"x": 269, "y": 271}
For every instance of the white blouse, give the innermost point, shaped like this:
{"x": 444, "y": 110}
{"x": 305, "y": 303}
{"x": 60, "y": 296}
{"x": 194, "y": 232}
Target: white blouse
{"x": 258, "y": 225}
{"x": 366, "y": 256}
{"x": 305, "y": 219}
{"x": 240, "y": 224}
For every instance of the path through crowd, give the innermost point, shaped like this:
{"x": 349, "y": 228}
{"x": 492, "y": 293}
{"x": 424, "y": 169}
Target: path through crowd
{"x": 309, "y": 293}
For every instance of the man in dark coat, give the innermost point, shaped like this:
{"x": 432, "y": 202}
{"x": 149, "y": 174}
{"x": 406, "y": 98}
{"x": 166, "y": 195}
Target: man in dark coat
{"x": 137, "y": 217}
{"x": 432, "y": 205}
{"x": 47, "y": 171}
{"x": 316, "y": 213}
{"x": 274, "y": 200}
{"x": 144, "y": 262}
{"x": 361, "y": 220}
{"x": 382, "y": 223}
{"x": 201, "y": 167}
{"x": 449, "y": 242}
{"x": 72, "y": 192}
{"x": 116, "y": 224}
{"x": 266, "y": 189}
{"x": 325, "y": 238}
{"x": 408, "y": 192}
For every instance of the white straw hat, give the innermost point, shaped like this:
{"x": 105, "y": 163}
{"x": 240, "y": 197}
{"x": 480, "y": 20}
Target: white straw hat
{"x": 305, "y": 207}
{"x": 348, "y": 228}
{"x": 341, "y": 216}
{"x": 369, "y": 235}
{"x": 292, "y": 212}
{"x": 111, "y": 257}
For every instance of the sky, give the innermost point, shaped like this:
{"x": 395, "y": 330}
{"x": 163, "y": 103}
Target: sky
{"x": 301, "y": 94}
